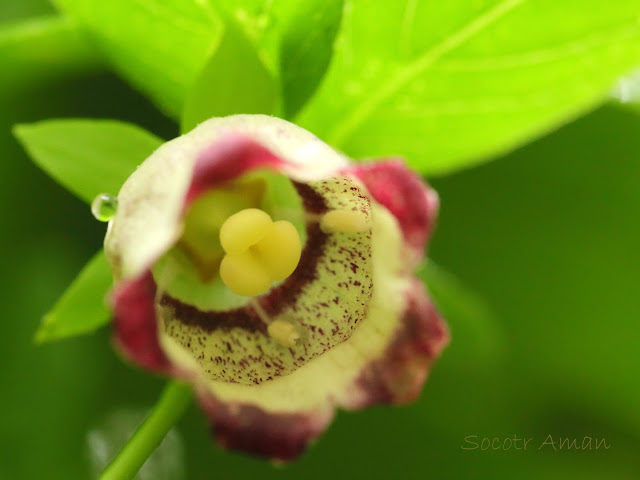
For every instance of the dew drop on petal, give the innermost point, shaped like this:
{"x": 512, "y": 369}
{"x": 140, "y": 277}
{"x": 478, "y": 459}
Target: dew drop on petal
{"x": 104, "y": 207}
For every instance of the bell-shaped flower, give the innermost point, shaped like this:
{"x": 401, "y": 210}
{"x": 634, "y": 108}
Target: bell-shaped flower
{"x": 273, "y": 274}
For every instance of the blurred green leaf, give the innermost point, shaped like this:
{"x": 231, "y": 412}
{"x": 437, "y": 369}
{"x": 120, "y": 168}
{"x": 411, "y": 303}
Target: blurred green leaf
{"x": 24, "y": 9}
{"x": 42, "y": 50}
{"x": 233, "y": 81}
{"x": 306, "y": 50}
{"x": 163, "y": 48}
{"x": 160, "y": 46}
{"x": 81, "y": 309}
{"x": 475, "y": 334}
{"x": 550, "y": 236}
{"x": 294, "y": 39}
{"x": 88, "y": 157}
{"x": 262, "y": 21}
{"x": 447, "y": 85}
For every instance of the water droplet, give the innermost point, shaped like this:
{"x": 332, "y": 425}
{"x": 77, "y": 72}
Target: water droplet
{"x": 104, "y": 207}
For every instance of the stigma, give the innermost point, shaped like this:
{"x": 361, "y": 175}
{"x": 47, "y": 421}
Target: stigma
{"x": 258, "y": 251}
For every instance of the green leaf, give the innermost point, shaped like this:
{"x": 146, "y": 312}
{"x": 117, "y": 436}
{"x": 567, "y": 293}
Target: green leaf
{"x": 233, "y": 81}
{"x": 475, "y": 334}
{"x": 88, "y": 157}
{"x": 262, "y": 22}
{"x": 160, "y": 46}
{"x": 163, "y": 47}
{"x": 21, "y": 54}
{"x": 294, "y": 40}
{"x": 307, "y": 47}
{"x": 551, "y": 234}
{"x": 448, "y": 84}
{"x": 81, "y": 309}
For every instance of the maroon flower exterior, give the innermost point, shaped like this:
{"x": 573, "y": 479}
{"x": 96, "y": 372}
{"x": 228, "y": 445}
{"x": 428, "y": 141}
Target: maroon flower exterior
{"x": 414, "y": 204}
{"x": 282, "y": 437}
{"x": 136, "y": 327}
{"x": 397, "y": 377}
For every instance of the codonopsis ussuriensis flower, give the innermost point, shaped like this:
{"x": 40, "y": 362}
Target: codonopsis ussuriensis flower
{"x": 263, "y": 267}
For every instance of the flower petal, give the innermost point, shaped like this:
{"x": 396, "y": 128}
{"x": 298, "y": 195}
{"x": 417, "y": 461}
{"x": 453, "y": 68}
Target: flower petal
{"x": 136, "y": 326}
{"x": 398, "y": 375}
{"x": 280, "y": 436}
{"x": 227, "y": 159}
{"x": 392, "y": 184}
{"x": 326, "y": 298}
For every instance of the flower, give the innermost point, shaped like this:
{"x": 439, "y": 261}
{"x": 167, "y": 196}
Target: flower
{"x": 257, "y": 263}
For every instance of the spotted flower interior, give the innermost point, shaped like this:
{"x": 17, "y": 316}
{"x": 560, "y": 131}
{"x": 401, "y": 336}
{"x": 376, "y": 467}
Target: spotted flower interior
{"x": 254, "y": 261}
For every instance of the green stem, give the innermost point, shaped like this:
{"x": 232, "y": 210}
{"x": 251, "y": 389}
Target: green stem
{"x": 175, "y": 399}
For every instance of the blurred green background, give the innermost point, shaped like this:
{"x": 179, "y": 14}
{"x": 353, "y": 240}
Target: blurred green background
{"x": 547, "y": 235}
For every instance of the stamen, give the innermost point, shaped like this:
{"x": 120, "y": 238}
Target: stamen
{"x": 344, "y": 221}
{"x": 297, "y": 215}
{"x": 260, "y": 311}
{"x": 283, "y": 332}
{"x": 309, "y": 217}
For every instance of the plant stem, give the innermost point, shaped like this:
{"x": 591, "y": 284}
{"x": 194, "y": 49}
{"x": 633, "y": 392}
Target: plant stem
{"x": 175, "y": 399}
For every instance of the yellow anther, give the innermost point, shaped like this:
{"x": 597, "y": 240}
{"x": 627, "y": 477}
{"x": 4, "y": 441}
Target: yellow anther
{"x": 244, "y": 274}
{"x": 279, "y": 250}
{"x": 283, "y": 332}
{"x": 259, "y": 252}
{"x": 244, "y": 229}
{"x": 344, "y": 221}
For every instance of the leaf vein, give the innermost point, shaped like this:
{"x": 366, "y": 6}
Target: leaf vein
{"x": 540, "y": 56}
{"x": 352, "y": 120}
